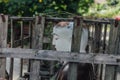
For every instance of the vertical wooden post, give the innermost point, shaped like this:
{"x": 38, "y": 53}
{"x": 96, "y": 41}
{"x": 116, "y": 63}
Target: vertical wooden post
{"x": 113, "y": 37}
{"x": 96, "y": 45}
{"x": 3, "y": 42}
{"x": 12, "y": 45}
{"x": 22, "y": 45}
{"x": 104, "y": 50}
{"x": 76, "y": 38}
{"x": 117, "y": 47}
{"x": 37, "y": 43}
{"x": 52, "y": 63}
{"x": 30, "y": 42}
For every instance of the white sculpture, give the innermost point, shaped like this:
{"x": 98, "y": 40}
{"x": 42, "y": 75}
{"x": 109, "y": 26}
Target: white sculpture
{"x": 62, "y": 37}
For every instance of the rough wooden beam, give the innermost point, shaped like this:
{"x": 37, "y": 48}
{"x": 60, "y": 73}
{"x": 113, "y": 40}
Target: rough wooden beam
{"x": 112, "y": 49}
{"x": 37, "y": 43}
{"x": 53, "y": 19}
{"x": 84, "y": 20}
{"x": 117, "y": 71}
{"x": 60, "y": 56}
{"x": 11, "y": 45}
{"x": 22, "y": 18}
{"x": 3, "y": 42}
{"x": 76, "y": 38}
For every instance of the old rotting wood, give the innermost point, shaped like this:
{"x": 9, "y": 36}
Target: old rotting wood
{"x": 22, "y": 45}
{"x": 117, "y": 71}
{"x": 60, "y": 56}
{"x": 36, "y": 54}
{"x": 12, "y": 45}
{"x": 76, "y": 37}
{"x": 22, "y": 18}
{"x": 3, "y": 42}
{"x": 96, "y": 45}
{"x": 37, "y": 43}
{"x": 84, "y": 20}
{"x": 61, "y": 19}
{"x": 112, "y": 49}
{"x": 30, "y": 41}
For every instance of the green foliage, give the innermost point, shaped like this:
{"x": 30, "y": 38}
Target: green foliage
{"x": 33, "y": 7}
{"x": 108, "y": 10}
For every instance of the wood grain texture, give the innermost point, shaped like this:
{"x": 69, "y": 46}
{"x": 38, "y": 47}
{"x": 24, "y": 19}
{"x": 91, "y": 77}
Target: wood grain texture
{"x": 60, "y": 56}
{"x": 3, "y": 43}
{"x": 37, "y": 43}
{"x": 112, "y": 49}
{"x": 75, "y": 47}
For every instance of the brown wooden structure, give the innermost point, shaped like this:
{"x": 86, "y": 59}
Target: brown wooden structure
{"x": 103, "y": 46}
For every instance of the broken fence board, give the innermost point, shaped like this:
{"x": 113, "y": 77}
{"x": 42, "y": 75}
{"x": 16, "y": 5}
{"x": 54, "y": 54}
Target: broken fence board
{"x": 60, "y": 56}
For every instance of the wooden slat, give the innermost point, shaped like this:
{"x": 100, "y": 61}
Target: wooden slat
{"x": 112, "y": 49}
{"x": 96, "y": 46}
{"x": 37, "y": 43}
{"x": 30, "y": 42}
{"x": 15, "y": 18}
{"x": 3, "y": 42}
{"x": 117, "y": 71}
{"x": 22, "y": 45}
{"x": 12, "y": 45}
{"x": 53, "y": 19}
{"x": 76, "y": 38}
{"x": 60, "y": 56}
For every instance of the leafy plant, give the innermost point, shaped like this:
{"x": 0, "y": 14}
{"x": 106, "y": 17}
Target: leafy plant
{"x": 108, "y": 10}
{"x": 34, "y": 7}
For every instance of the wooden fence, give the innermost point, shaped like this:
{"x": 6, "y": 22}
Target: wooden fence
{"x": 103, "y": 46}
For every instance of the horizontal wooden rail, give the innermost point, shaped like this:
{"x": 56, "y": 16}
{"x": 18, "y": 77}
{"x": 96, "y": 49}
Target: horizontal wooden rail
{"x": 84, "y": 20}
{"x": 60, "y": 56}
{"x": 53, "y": 19}
{"x": 96, "y": 21}
{"x": 58, "y": 19}
{"x": 22, "y": 18}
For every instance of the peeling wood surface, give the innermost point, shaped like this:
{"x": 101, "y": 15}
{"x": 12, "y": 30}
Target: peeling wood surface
{"x": 37, "y": 43}
{"x": 84, "y": 20}
{"x": 60, "y": 56}
{"x": 75, "y": 47}
{"x": 3, "y": 43}
{"x": 106, "y": 21}
{"x": 112, "y": 49}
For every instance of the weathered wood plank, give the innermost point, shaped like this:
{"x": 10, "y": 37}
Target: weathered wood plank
{"x": 22, "y": 18}
{"x": 112, "y": 49}
{"x": 60, "y": 56}
{"x": 37, "y": 43}
{"x": 22, "y": 45}
{"x": 96, "y": 46}
{"x": 3, "y": 42}
{"x": 12, "y": 45}
{"x": 117, "y": 71}
{"x": 84, "y": 20}
{"x": 76, "y": 38}
{"x": 60, "y": 19}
